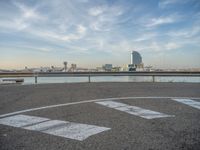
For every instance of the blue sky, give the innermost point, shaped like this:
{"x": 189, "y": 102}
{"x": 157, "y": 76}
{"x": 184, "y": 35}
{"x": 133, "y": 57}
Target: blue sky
{"x": 90, "y": 33}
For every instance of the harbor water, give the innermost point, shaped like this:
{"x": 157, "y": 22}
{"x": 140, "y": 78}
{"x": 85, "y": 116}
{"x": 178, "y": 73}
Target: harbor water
{"x": 45, "y": 80}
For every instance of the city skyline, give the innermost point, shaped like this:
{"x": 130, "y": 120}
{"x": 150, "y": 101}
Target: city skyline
{"x": 91, "y": 33}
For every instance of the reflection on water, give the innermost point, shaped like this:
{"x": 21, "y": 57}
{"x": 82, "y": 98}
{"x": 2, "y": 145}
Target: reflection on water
{"x": 122, "y": 79}
{"x": 41, "y": 80}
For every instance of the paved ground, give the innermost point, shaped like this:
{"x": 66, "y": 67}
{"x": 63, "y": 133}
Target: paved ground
{"x": 126, "y": 130}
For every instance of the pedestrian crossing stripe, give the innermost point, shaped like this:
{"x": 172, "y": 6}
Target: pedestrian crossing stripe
{"x": 70, "y": 130}
{"x": 133, "y": 110}
{"x": 189, "y": 102}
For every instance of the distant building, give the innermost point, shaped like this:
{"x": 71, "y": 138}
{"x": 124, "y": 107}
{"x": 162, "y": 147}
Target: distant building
{"x": 131, "y": 67}
{"x": 136, "y": 62}
{"x": 65, "y": 66}
{"x": 148, "y": 68}
{"x": 99, "y": 69}
{"x": 73, "y": 68}
{"x": 116, "y": 69}
{"x": 56, "y": 69}
{"x": 136, "y": 58}
{"x": 107, "y": 67}
{"x": 45, "y": 69}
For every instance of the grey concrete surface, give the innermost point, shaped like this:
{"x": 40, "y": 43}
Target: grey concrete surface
{"x": 127, "y": 132}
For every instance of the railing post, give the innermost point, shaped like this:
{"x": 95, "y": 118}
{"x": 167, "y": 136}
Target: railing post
{"x": 89, "y": 78}
{"x": 36, "y": 78}
{"x": 153, "y": 78}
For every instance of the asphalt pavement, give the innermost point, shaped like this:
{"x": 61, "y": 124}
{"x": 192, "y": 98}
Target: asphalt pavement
{"x": 100, "y": 116}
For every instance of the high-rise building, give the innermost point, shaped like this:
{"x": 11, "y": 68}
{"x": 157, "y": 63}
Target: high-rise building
{"x": 136, "y": 61}
{"x": 136, "y": 58}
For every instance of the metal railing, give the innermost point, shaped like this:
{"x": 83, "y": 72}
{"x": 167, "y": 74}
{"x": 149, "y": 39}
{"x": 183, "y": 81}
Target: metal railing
{"x": 98, "y": 74}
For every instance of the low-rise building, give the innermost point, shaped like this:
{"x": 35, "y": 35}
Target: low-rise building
{"x": 107, "y": 67}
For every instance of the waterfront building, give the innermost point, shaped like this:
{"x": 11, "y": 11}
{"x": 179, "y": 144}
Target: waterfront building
{"x": 73, "y": 68}
{"x": 65, "y": 66}
{"x": 136, "y": 58}
{"x": 136, "y": 62}
{"x": 99, "y": 69}
{"x": 107, "y": 67}
{"x": 116, "y": 69}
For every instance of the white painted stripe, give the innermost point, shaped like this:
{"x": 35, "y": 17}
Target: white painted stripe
{"x": 137, "y": 111}
{"x": 64, "y": 129}
{"x": 45, "y": 125}
{"x": 189, "y": 102}
{"x": 89, "y": 101}
{"x": 21, "y": 120}
{"x": 76, "y": 131}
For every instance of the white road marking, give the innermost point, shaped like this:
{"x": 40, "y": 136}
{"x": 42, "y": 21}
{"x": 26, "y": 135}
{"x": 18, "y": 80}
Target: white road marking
{"x": 189, "y": 102}
{"x": 45, "y": 125}
{"x": 90, "y": 101}
{"x": 21, "y": 120}
{"x": 76, "y": 131}
{"x": 64, "y": 129}
{"x": 137, "y": 111}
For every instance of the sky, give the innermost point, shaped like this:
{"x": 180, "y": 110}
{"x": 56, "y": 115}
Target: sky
{"x": 90, "y": 33}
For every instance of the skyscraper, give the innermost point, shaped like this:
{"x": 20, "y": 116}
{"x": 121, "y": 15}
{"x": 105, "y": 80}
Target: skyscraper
{"x": 136, "y": 61}
{"x": 136, "y": 58}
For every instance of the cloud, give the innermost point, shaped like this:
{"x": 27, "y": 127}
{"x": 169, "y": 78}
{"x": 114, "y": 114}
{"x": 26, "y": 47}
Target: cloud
{"x": 167, "y": 3}
{"x": 125, "y": 46}
{"x": 30, "y": 21}
{"x": 95, "y": 11}
{"x": 155, "y": 46}
{"x": 81, "y": 29}
{"x": 105, "y": 17}
{"x": 98, "y": 27}
{"x": 145, "y": 36}
{"x": 25, "y": 46}
{"x": 186, "y": 32}
{"x": 27, "y": 13}
{"x": 80, "y": 33}
{"x": 171, "y": 46}
{"x": 26, "y": 17}
{"x": 161, "y": 21}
